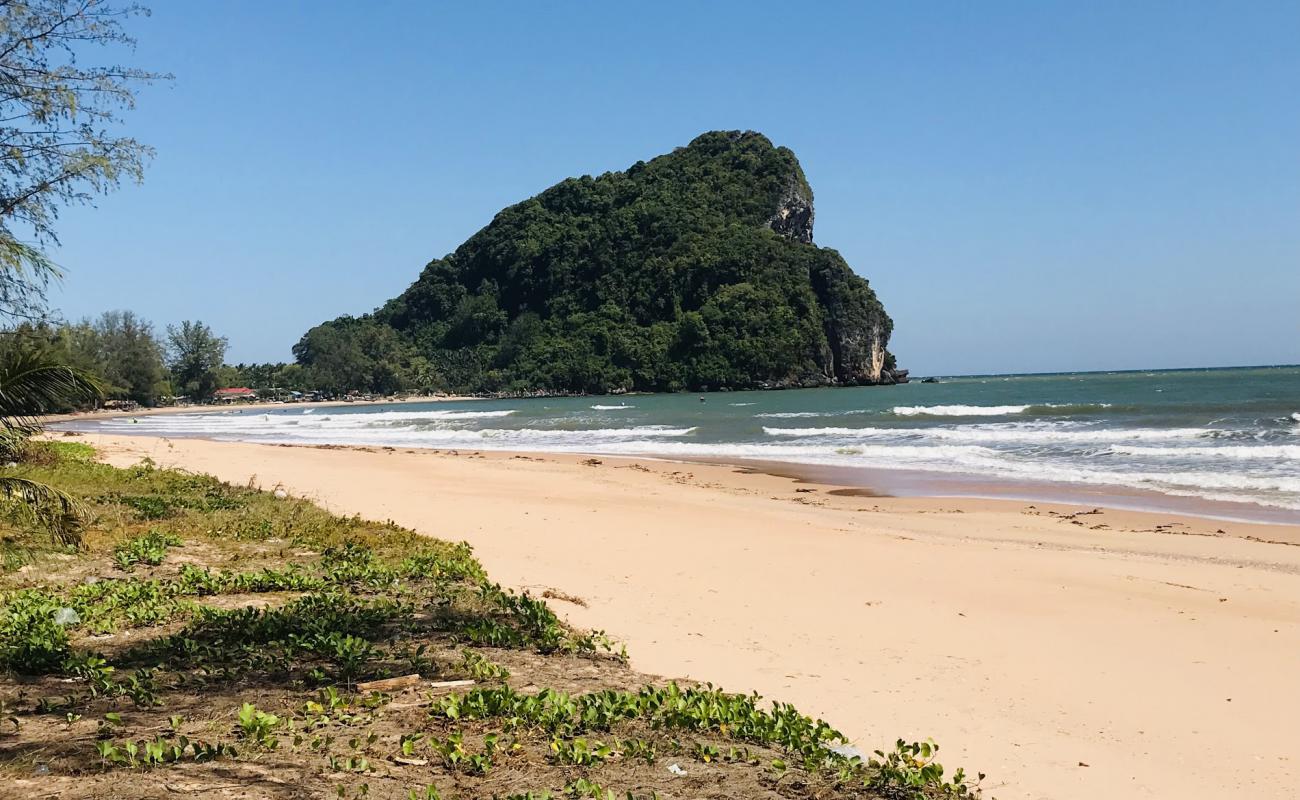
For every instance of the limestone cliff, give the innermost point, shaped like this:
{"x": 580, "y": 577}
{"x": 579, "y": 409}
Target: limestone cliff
{"x": 794, "y": 211}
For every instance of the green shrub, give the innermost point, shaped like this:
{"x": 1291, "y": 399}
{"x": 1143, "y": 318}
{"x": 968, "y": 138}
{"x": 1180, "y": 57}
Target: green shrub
{"x": 149, "y": 548}
{"x": 31, "y": 642}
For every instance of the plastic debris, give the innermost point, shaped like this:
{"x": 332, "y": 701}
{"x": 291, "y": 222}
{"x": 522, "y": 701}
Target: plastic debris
{"x": 676, "y": 770}
{"x": 66, "y": 616}
{"x": 846, "y": 750}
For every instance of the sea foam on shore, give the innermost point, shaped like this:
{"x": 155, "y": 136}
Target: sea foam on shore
{"x": 1216, "y": 434}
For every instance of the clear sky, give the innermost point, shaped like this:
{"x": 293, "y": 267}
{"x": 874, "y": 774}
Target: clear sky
{"x": 1029, "y": 186}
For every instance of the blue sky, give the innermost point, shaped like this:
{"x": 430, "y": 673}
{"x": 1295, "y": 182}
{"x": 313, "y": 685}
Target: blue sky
{"x": 1030, "y": 186}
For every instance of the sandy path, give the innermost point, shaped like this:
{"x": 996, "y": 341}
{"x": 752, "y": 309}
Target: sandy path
{"x": 1065, "y": 662}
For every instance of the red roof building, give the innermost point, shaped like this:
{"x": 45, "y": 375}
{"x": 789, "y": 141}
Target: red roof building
{"x": 233, "y": 394}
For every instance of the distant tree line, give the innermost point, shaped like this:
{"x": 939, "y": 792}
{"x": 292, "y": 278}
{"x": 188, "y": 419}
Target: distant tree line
{"x": 132, "y": 360}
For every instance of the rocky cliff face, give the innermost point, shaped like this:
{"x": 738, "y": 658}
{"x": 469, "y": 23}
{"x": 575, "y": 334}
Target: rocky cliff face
{"x": 856, "y": 325}
{"x": 794, "y": 212}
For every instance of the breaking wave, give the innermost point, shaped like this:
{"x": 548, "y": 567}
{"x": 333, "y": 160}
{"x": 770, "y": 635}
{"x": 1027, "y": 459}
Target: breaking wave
{"x": 999, "y": 434}
{"x": 1287, "y": 451}
{"x": 989, "y": 462}
{"x": 998, "y": 411}
{"x": 803, "y": 414}
{"x": 958, "y": 411}
{"x": 1198, "y": 440}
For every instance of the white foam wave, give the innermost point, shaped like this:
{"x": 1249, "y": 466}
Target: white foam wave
{"x": 1247, "y": 452}
{"x": 1269, "y": 489}
{"x": 577, "y": 435}
{"x": 1241, "y": 465}
{"x": 403, "y": 415}
{"x": 984, "y": 411}
{"x": 803, "y": 414}
{"x": 830, "y": 431}
{"x": 182, "y": 423}
{"x": 358, "y": 429}
{"x": 991, "y": 434}
{"x": 895, "y": 454}
{"x": 741, "y": 405}
{"x": 611, "y": 408}
{"x": 958, "y": 411}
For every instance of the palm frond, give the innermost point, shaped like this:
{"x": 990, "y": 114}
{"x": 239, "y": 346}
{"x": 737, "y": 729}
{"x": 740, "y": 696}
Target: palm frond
{"x": 33, "y": 383}
{"x": 55, "y": 510}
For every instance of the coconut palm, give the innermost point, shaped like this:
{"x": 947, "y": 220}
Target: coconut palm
{"x": 33, "y": 383}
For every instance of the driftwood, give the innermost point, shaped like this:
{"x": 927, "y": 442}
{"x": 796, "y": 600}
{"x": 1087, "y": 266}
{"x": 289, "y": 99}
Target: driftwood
{"x": 389, "y": 684}
{"x": 405, "y": 682}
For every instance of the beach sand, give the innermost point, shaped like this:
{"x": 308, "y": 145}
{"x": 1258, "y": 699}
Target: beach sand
{"x": 1112, "y": 654}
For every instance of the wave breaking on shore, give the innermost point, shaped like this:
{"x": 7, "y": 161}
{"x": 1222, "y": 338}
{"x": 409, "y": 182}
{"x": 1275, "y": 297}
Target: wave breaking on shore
{"x": 1193, "y": 440}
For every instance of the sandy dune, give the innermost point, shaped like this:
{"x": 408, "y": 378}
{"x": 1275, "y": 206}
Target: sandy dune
{"x": 1084, "y": 657}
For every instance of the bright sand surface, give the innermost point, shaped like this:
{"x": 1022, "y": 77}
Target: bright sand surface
{"x": 1093, "y": 657}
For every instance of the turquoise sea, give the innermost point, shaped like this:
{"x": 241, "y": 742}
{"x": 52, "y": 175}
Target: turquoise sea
{"x": 1222, "y": 435}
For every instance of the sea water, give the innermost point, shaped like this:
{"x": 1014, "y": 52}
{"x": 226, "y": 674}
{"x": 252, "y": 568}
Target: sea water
{"x": 1217, "y": 434}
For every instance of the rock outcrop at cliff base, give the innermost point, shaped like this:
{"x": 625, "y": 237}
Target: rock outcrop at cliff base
{"x": 694, "y": 270}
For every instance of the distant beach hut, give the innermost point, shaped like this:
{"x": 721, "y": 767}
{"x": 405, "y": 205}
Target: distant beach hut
{"x": 240, "y": 394}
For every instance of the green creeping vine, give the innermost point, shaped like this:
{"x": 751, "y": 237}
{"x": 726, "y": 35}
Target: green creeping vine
{"x": 258, "y": 726}
{"x": 481, "y": 669}
{"x": 193, "y": 492}
{"x": 532, "y": 624}
{"x": 272, "y": 640}
{"x": 908, "y": 772}
{"x": 149, "y": 548}
{"x": 458, "y": 757}
{"x": 579, "y": 752}
{"x": 158, "y": 751}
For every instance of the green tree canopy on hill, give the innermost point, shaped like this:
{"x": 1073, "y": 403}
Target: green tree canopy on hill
{"x": 693, "y": 270}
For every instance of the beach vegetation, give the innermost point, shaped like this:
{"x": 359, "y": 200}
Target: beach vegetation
{"x": 149, "y": 548}
{"x": 258, "y": 645}
{"x": 32, "y": 383}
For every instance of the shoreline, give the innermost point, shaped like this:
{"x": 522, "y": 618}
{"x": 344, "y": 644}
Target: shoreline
{"x": 879, "y": 482}
{"x": 1067, "y": 652}
{"x": 98, "y": 414}
{"x": 864, "y": 481}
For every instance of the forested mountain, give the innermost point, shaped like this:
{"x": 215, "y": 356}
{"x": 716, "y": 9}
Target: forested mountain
{"x": 695, "y": 270}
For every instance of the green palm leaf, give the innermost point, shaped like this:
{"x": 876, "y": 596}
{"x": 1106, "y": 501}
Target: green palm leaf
{"x": 54, "y": 509}
{"x": 33, "y": 383}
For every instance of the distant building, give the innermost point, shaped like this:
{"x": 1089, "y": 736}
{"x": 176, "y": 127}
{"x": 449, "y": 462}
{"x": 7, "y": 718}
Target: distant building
{"x": 234, "y": 395}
